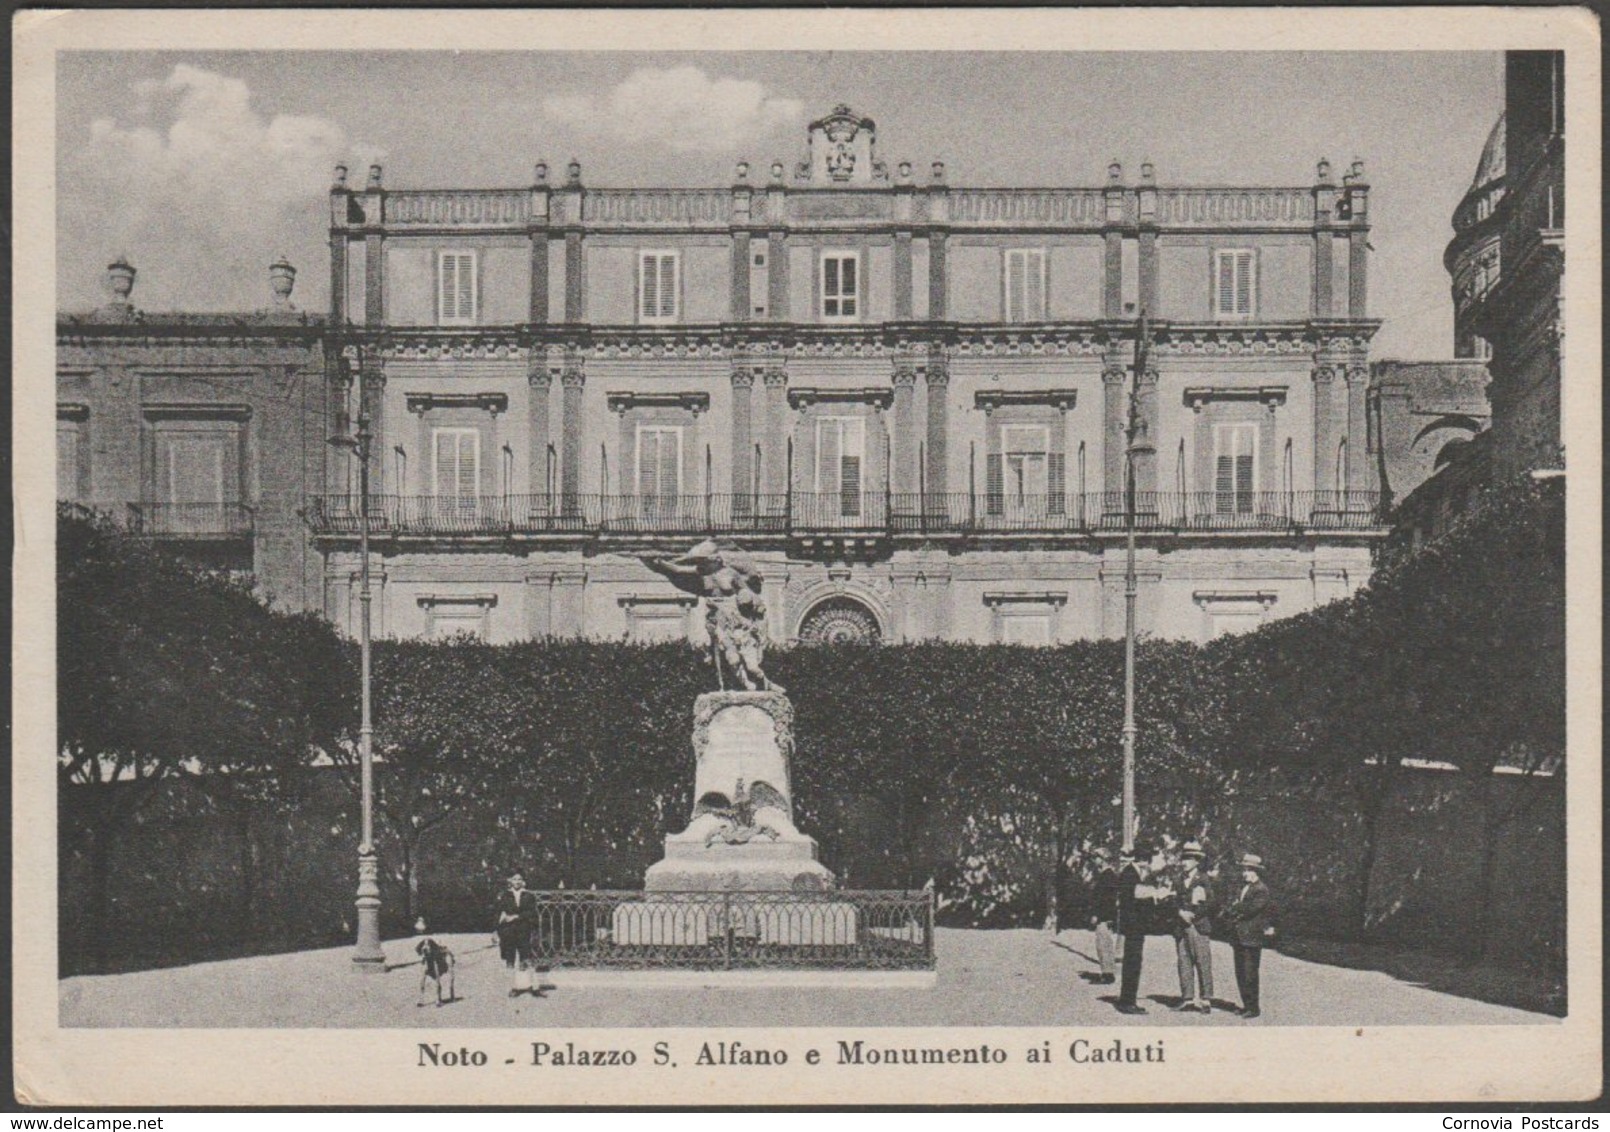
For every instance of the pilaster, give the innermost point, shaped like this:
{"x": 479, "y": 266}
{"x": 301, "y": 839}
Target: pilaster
{"x": 936, "y": 377}
{"x": 572, "y": 380}
{"x": 1113, "y": 375}
{"x": 743, "y": 471}
{"x": 539, "y": 384}
{"x": 774, "y": 472}
{"x": 903, "y": 473}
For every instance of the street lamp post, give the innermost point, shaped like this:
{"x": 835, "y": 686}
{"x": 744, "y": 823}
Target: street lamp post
{"x": 1135, "y": 444}
{"x": 367, "y": 955}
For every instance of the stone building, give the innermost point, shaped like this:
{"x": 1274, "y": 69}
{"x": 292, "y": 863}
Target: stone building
{"x": 906, "y": 397}
{"x": 203, "y": 431}
{"x": 1519, "y": 311}
{"x": 1506, "y": 263}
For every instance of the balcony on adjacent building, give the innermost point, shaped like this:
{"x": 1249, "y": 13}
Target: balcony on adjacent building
{"x": 201, "y": 522}
{"x": 865, "y": 514}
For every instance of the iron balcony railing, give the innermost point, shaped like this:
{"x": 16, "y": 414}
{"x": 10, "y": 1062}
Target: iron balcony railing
{"x": 848, "y": 930}
{"x": 864, "y": 513}
{"x": 191, "y": 520}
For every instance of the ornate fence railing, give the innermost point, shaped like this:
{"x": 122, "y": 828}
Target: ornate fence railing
{"x": 707, "y": 931}
{"x": 190, "y": 520}
{"x": 852, "y": 513}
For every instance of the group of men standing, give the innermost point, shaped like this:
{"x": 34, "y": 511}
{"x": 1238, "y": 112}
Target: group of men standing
{"x": 1148, "y": 895}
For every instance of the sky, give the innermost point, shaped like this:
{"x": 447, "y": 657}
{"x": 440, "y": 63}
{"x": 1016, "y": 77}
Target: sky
{"x": 203, "y": 167}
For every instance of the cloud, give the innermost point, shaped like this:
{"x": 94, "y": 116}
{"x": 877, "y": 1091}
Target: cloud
{"x": 681, "y": 108}
{"x": 203, "y": 198}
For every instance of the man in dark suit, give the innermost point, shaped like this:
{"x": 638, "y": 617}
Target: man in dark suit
{"x": 517, "y": 917}
{"x": 1193, "y": 929}
{"x": 1105, "y": 915}
{"x": 1252, "y": 926}
{"x": 1137, "y": 911}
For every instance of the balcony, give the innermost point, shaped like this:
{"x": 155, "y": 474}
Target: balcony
{"x": 200, "y": 522}
{"x": 850, "y": 514}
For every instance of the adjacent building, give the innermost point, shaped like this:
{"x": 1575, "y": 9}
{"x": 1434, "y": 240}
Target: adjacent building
{"x": 203, "y": 431}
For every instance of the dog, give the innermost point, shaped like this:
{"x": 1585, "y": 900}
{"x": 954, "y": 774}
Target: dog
{"x": 438, "y": 962}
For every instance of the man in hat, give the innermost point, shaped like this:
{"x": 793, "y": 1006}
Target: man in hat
{"x": 517, "y": 916}
{"x": 1193, "y": 931}
{"x": 1137, "y": 907}
{"x": 1252, "y": 926}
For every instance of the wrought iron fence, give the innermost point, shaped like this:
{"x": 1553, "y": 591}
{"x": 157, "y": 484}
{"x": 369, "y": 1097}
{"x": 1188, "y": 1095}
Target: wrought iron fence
{"x": 191, "y": 520}
{"x": 707, "y": 931}
{"x": 856, "y": 512}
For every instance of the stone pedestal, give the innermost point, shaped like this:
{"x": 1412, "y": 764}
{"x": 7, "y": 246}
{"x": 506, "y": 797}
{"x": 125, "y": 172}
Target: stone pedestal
{"x": 742, "y": 743}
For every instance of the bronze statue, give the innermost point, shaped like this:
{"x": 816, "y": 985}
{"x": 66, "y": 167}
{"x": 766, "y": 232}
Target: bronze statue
{"x": 728, "y": 581}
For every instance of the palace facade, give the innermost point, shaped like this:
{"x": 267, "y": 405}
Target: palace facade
{"x": 907, "y": 398}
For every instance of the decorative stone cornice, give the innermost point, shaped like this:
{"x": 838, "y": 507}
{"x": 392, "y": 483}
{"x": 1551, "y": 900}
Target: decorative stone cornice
{"x": 622, "y": 401}
{"x": 422, "y": 403}
{"x": 194, "y": 410}
{"x": 1206, "y": 598}
{"x": 991, "y": 399}
{"x": 1026, "y": 597}
{"x": 460, "y": 345}
{"x": 878, "y": 396}
{"x": 1270, "y": 395}
{"x": 430, "y": 601}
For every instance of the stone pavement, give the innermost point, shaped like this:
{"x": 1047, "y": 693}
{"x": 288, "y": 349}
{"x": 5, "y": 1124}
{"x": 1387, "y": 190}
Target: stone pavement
{"x": 985, "y": 978}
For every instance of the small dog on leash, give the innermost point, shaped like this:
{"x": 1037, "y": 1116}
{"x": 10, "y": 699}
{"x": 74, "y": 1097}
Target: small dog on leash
{"x": 438, "y": 961}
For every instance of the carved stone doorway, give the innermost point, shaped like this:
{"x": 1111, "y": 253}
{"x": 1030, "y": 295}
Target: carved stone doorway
{"x": 839, "y": 621}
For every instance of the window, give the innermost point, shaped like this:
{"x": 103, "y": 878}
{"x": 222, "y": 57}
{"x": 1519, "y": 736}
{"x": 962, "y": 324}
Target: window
{"x": 1234, "y": 469}
{"x": 1233, "y": 284}
{"x": 840, "y": 448}
{"x": 455, "y": 288}
{"x": 456, "y": 467}
{"x": 1025, "y": 479}
{"x": 841, "y": 283}
{"x": 1025, "y": 285}
{"x": 198, "y": 466}
{"x": 659, "y": 467}
{"x": 658, "y": 286}
{"x": 1028, "y": 628}
{"x": 70, "y": 453}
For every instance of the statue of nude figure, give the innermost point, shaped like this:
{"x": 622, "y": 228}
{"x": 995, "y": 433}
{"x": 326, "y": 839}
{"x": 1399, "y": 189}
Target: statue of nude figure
{"x": 734, "y": 613}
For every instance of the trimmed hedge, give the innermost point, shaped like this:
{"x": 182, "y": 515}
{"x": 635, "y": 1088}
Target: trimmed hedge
{"x": 988, "y": 769}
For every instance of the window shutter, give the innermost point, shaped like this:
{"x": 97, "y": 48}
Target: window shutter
{"x": 994, "y": 486}
{"x": 1057, "y": 481}
{"x": 830, "y": 287}
{"x": 667, "y": 286}
{"x": 1014, "y": 286}
{"x": 1243, "y": 484}
{"x": 1034, "y": 286}
{"x": 648, "y": 464}
{"x": 827, "y": 456}
{"x": 847, "y": 285}
{"x": 466, "y": 288}
{"x": 649, "y": 282}
{"x": 666, "y": 475}
{"x": 1243, "y": 283}
{"x": 1226, "y": 265}
{"x": 467, "y": 487}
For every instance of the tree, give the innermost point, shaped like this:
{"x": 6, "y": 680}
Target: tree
{"x": 165, "y": 669}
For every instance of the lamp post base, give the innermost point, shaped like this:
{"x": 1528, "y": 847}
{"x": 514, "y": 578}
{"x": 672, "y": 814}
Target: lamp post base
{"x": 367, "y": 955}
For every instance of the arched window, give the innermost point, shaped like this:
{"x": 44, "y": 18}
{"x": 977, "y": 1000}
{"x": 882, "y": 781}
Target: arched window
{"x": 839, "y": 621}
